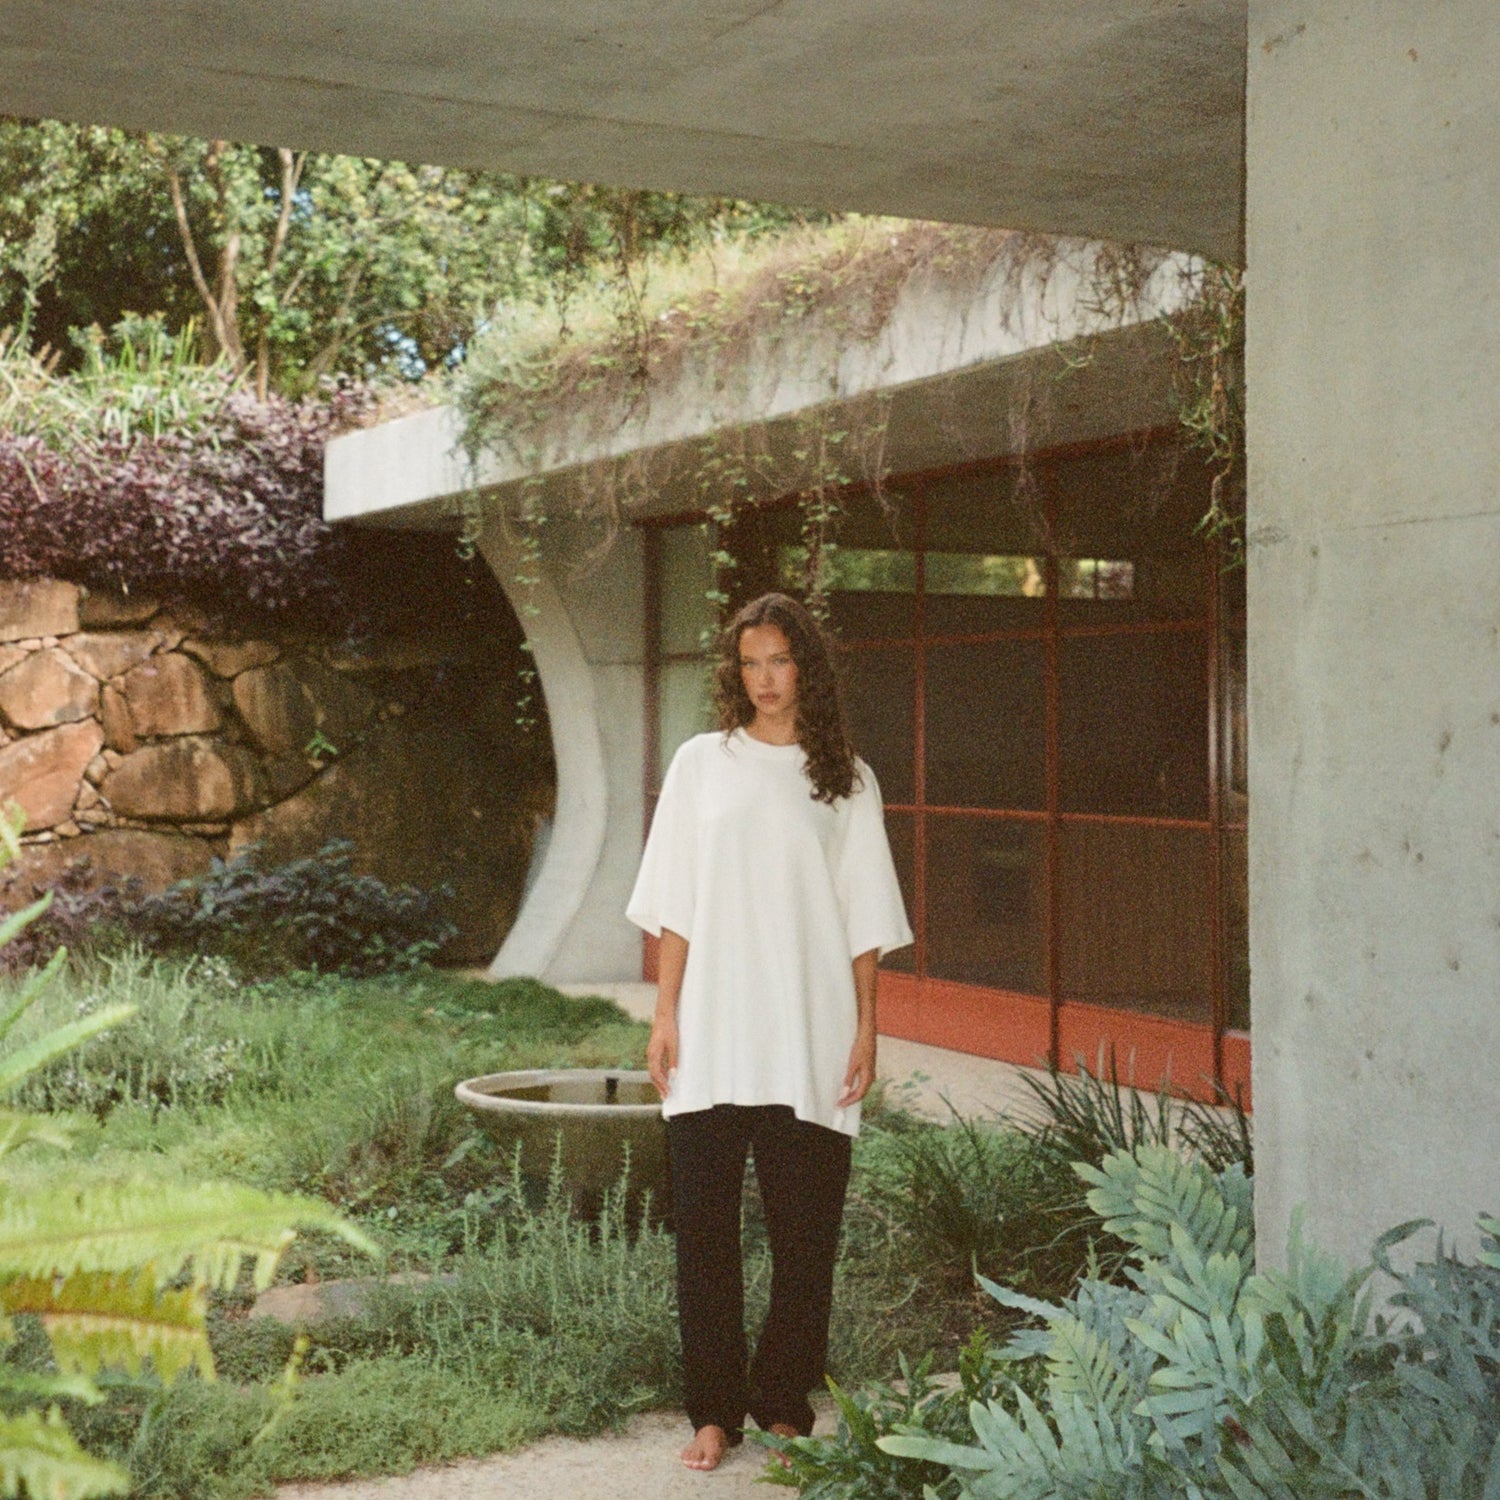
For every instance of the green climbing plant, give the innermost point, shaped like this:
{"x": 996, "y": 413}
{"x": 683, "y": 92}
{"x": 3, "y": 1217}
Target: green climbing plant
{"x": 1208, "y": 337}
{"x": 594, "y": 366}
{"x": 118, "y": 1273}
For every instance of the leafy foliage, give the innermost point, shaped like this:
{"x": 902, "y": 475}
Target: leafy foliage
{"x": 1087, "y": 1115}
{"x": 299, "y": 265}
{"x": 311, "y": 913}
{"x": 117, "y": 1274}
{"x": 971, "y": 1196}
{"x": 851, "y": 1463}
{"x": 146, "y": 472}
{"x": 224, "y": 505}
{"x": 1205, "y": 1378}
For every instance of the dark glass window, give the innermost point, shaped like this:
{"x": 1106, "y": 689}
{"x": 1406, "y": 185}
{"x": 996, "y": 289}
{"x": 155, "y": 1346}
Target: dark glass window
{"x": 1234, "y": 876}
{"x": 986, "y": 555}
{"x": 900, "y": 829}
{"x": 1038, "y": 659}
{"x": 1137, "y": 509}
{"x": 987, "y": 725}
{"x": 987, "y": 902}
{"x": 880, "y": 698}
{"x": 1133, "y": 724}
{"x": 1133, "y": 918}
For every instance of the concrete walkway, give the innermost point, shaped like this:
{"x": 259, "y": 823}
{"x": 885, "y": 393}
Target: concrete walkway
{"x": 639, "y": 1464}
{"x": 642, "y": 1463}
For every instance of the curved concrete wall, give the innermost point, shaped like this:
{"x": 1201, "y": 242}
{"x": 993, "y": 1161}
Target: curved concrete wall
{"x": 586, "y": 640}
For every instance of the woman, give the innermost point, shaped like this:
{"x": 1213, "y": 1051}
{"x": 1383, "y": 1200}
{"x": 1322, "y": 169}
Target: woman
{"x": 768, "y": 878}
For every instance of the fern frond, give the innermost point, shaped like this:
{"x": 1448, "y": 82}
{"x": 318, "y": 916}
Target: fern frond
{"x": 18, "y": 1129}
{"x": 32, "y": 988}
{"x": 1489, "y": 1255}
{"x": 39, "y": 1457}
{"x": 94, "y": 1321}
{"x": 20, "y": 1385}
{"x": 1142, "y": 1194}
{"x": 1008, "y": 1297}
{"x": 17, "y": 922}
{"x": 24, "y": 1060}
{"x": 1083, "y": 1364}
{"x": 122, "y": 1227}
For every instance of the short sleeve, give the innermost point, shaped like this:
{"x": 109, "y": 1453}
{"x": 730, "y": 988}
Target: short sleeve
{"x": 865, "y": 876}
{"x": 667, "y": 881}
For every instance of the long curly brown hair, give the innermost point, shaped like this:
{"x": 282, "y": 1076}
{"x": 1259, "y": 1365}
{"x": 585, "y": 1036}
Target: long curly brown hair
{"x": 821, "y": 729}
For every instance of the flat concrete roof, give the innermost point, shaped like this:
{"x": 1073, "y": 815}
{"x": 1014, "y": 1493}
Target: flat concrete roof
{"x": 1114, "y": 119}
{"x": 953, "y": 365}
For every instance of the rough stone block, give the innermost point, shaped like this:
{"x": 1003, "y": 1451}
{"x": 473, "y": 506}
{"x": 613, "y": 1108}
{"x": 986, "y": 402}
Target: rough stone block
{"x": 101, "y": 608}
{"x": 47, "y": 689}
{"x": 42, "y": 772}
{"x": 35, "y": 607}
{"x": 114, "y": 714}
{"x": 285, "y": 705}
{"x": 184, "y": 780}
{"x": 285, "y": 774}
{"x": 109, "y": 654}
{"x": 170, "y": 695}
{"x": 230, "y": 658}
{"x": 9, "y": 656}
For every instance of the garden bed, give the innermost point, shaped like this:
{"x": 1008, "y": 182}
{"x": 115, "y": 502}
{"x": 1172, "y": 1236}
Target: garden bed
{"x": 504, "y": 1317}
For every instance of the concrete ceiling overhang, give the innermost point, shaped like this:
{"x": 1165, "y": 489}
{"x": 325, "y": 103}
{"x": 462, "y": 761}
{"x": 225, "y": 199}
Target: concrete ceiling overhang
{"x": 1115, "y": 119}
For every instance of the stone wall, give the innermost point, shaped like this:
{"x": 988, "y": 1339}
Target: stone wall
{"x": 134, "y": 734}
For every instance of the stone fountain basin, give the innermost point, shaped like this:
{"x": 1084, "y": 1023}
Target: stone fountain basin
{"x": 596, "y": 1114}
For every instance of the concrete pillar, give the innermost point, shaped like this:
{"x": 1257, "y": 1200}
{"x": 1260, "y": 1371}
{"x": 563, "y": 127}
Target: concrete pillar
{"x": 1373, "y": 377}
{"x": 586, "y": 634}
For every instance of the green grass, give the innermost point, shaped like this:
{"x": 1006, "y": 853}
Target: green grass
{"x": 532, "y": 1322}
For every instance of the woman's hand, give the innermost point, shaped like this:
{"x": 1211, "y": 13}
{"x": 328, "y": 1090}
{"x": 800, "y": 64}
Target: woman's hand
{"x": 861, "y": 1072}
{"x": 661, "y": 1053}
{"x": 661, "y": 1050}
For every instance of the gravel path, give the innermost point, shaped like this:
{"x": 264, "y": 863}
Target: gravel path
{"x": 639, "y": 1464}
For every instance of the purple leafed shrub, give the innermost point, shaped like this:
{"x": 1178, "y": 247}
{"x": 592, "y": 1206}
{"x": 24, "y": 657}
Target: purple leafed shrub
{"x": 226, "y": 515}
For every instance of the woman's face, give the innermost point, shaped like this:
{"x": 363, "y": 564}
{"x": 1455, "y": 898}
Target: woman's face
{"x": 769, "y": 673}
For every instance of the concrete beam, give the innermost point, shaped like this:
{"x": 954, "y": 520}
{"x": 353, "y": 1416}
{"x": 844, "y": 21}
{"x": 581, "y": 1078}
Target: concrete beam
{"x": 1118, "y": 119}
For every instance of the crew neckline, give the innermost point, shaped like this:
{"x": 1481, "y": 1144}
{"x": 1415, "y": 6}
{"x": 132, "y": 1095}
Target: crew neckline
{"x": 742, "y": 736}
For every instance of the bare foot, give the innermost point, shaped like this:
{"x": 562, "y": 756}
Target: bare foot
{"x": 706, "y": 1449}
{"x": 783, "y": 1430}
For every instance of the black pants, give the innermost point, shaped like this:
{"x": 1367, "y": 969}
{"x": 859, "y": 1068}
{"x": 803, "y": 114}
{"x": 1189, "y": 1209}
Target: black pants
{"x": 803, "y": 1171}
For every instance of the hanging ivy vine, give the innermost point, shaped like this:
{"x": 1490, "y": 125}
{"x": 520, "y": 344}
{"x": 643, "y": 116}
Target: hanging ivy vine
{"x": 532, "y": 395}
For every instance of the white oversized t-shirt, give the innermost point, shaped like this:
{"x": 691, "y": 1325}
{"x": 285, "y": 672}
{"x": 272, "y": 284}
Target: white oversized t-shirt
{"x": 775, "y": 893}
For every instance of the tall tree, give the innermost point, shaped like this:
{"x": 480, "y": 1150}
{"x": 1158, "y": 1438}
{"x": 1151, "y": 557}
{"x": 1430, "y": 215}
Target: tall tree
{"x": 302, "y": 264}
